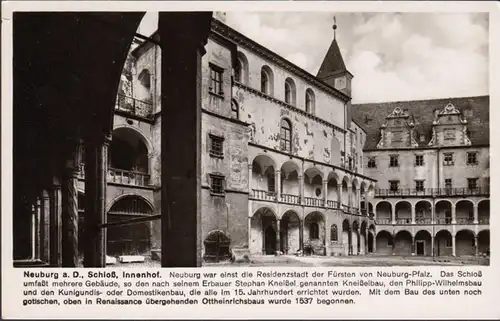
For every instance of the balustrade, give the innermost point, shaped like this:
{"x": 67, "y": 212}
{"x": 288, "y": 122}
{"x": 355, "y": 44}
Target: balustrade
{"x": 447, "y": 191}
{"x": 290, "y": 199}
{"x": 134, "y": 106}
{"x": 332, "y": 204}
{"x": 311, "y": 201}
{"x": 264, "y": 195}
{"x": 121, "y": 176}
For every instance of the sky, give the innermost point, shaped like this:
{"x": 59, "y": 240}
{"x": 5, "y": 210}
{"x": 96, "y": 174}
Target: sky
{"x": 393, "y": 56}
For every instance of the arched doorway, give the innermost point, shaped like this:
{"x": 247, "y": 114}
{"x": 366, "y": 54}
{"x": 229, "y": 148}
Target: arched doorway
{"x": 443, "y": 243}
{"x": 483, "y": 242}
{"x": 384, "y": 243}
{"x": 346, "y": 237}
{"x": 131, "y": 239}
{"x": 263, "y": 229}
{"x": 217, "y": 247}
{"x": 465, "y": 243}
{"x": 403, "y": 245}
{"x": 314, "y": 233}
{"x": 423, "y": 243}
{"x": 290, "y": 232}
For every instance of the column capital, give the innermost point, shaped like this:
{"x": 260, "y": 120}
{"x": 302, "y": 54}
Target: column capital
{"x": 250, "y": 166}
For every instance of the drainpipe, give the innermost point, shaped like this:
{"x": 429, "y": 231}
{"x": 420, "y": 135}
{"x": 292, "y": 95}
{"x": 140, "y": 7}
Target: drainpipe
{"x": 345, "y": 125}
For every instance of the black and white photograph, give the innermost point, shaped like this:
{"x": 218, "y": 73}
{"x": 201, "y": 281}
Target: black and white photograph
{"x": 250, "y": 139}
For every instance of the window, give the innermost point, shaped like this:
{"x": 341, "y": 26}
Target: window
{"x": 448, "y": 183}
{"x": 472, "y": 158}
{"x": 394, "y": 186}
{"x": 394, "y": 161}
{"x": 235, "y": 111}
{"x": 419, "y": 185}
{"x": 216, "y": 80}
{"x": 419, "y": 160}
{"x": 309, "y": 101}
{"x": 448, "y": 159}
{"x": 288, "y": 93}
{"x": 333, "y": 233}
{"x": 372, "y": 162}
{"x": 472, "y": 183}
{"x": 266, "y": 80}
{"x": 238, "y": 70}
{"x": 217, "y": 184}
{"x": 286, "y": 135}
{"x": 314, "y": 231}
{"x": 216, "y": 146}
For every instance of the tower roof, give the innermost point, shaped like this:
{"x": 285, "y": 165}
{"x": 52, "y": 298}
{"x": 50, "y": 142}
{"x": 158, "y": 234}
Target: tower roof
{"x": 333, "y": 63}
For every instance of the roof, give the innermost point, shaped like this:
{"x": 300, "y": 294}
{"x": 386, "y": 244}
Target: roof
{"x": 475, "y": 109}
{"x": 333, "y": 62}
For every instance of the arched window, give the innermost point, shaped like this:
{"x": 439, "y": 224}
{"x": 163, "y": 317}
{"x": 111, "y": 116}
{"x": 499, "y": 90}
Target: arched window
{"x": 241, "y": 69}
{"x": 145, "y": 78}
{"x": 333, "y": 233}
{"x": 238, "y": 70}
{"x": 217, "y": 247}
{"x": 234, "y": 109}
{"x": 314, "y": 231}
{"x": 289, "y": 91}
{"x": 286, "y": 135}
{"x": 266, "y": 80}
{"x": 309, "y": 101}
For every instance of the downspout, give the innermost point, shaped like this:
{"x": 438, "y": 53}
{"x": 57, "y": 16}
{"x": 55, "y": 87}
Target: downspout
{"x": 345, "y": 131}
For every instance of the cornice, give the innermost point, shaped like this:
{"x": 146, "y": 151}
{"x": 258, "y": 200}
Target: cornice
{"x": 288, "y": 106}
{"x": 241, "y": 40}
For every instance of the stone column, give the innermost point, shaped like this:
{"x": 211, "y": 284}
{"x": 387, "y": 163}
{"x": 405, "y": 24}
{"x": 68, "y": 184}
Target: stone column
{"x": 325, "y": 192}
{"x": 301, "y": 235}
{"x": 433, "y": 214}
{"x": 182, "y": 36}
{"x": 476, "y": 245}
{"x": 301, "y": 188}
{"x": 413, "y": 214}
{"x": 374, "y": 245}
{"x": 432, "y": 245}
{"x": 55, "y": 226}
{"x": 358, "y": 199}
{"x": 393, "y": 213}
{"x": 250, "y": 177}
{"x": 453, "y": 214}
{"x": 453, "y": 244}
{"x": 37, "y": 226}
{"x": 339, "y": 194}
{"x": 96, "y": 169}
{"x": 349, "y": 196}
{"x": 366, "y": 242}
{"x": 413, "y": 245}
{"x": 151, "y": 158}
{"x": 277, "y": 180}
{"x": 393, "y": 243}
{"x": 476, "y": 214}
{"x": 70, "y": 213}
{"x": 45, "y": 230}
{"x": 278, "y": 243}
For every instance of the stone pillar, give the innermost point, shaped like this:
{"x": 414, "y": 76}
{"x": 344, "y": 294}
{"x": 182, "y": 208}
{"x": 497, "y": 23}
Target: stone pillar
{"x": 413, "y": 214}
{"x": 301, "y": 235}
{"x": 349, "y": 196}
{"x": 70, "y": 213}
{"x": 55, "y": 226}
{"x": 339, "y": 194}
{"x": 277, "y": 179}
{"x": 476, "y": 245}
{"x": 96, "y": 170}
{"x": 413, "y": 245}
{"x": 476, "y": 214}
{"x": 183, "y": 36}
{"x": 433, "y": 252}
{"x": 358, "y": 199}
{"x": 301, "y": 188}
{"x": 453, "y": 214}
{"x": 250, "y": 177}
{"x": 37, "y": 226}
{"x": 393, "y": 243}
{"x": 393, "y": 213}
{"x": 366, "y": 242}
{"x": 433, "y": 214}
{"x": 325, "y": 192}
{"x": 278, "y": 243}
{"x": 150, "y": 168}
{"x": 45, "y": 230}
{"x": 249, "y": 232}
{"x": 453, "y": 244}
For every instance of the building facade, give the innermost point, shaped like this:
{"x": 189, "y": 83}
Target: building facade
{"x": 431, "y": 162}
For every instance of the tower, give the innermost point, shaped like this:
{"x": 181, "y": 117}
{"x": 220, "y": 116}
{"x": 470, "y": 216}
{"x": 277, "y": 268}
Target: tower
{"x": 333, "y": 70}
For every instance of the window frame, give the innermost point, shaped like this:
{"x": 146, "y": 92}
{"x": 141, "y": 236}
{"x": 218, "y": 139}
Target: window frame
{"x": 216, "y": 146}
{"x": 448, "y": 162}
{"x": 419, "y": 160}
{"x": 372, "y": 162}
{"x": 422, "y": 187}
{"x": 283, "y": 135}
{"x": 217, "y": 178}
{"x": 475, "y": 180}
{"x": 391, "y": 184}
{"x": 334, "y": 228}
{"x": 396, "y": 158}
{"x": 216, "y": 83}
{"x": 235, "y": 109}
{"x": 474, "y": 160}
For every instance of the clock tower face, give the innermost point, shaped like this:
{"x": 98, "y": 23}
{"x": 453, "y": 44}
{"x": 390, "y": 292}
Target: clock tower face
{"x": 340, "y": 83}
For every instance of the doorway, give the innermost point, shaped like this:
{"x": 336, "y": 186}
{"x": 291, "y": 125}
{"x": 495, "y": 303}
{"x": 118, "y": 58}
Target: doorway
{"x": 270, "y": 241}
{"x": 420, "y": 247}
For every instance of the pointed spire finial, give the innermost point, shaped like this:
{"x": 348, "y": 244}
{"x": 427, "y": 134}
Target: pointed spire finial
{"x": 334, "y": 27}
